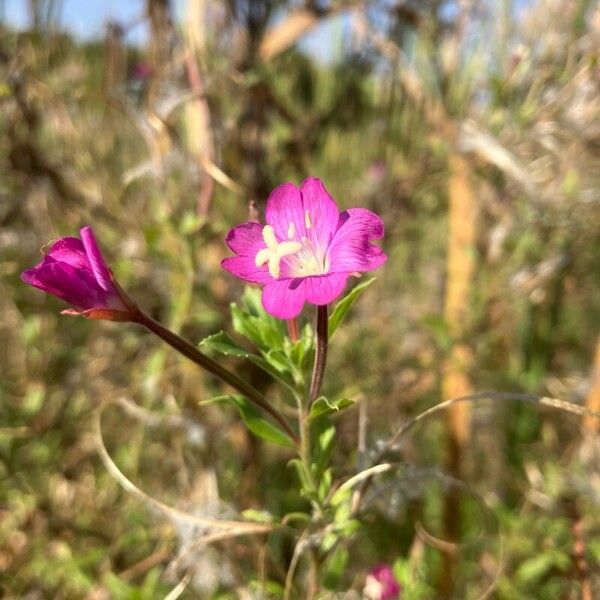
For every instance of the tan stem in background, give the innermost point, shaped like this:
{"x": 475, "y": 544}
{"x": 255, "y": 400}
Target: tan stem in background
{"x": 590, "y": 423}
{"x": 456, "y": 383}
{"x": 115, "y": 60}
{"x": 462, "y": 232}
{"x": 284, "y": 35}
{"x": 199, "y": 137}
{"x": 159, "y": 17}
{"x": 462, "y": 235}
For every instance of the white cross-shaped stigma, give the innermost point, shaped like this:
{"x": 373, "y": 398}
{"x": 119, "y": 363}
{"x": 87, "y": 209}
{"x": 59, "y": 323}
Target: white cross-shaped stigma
{"x": 275, "y": 250}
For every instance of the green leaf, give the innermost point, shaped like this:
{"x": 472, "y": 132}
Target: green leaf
{"x": 349, "y": 527}
{"x": 252, "y": 321}
{"x": 325, "y": 440}
{"x": 335, "y": 567}
{"x": 303, "y": 475}
{"x": 343, "y": 306}
{"x": 260, "y": 516}
{"x": 273, "y": 589}
{"x": 533, "y": 569}
{"x": 300, "y": 351}
{"x": 254, "y": 420}
{"x": 325, "y": 484}
{"x": 322, "y": 406}
{"x": 222, "y": 343}
{"x": 329, "y": 540}
{"x": 278, "y": 360}
{"x": 296, "y": 516}
{"x": 342, "y": 513}
{"x": 342, "y": 495}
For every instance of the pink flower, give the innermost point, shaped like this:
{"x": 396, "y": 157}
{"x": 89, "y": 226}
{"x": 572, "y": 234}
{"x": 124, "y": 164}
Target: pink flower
{"x": 381, "y": 584}
{"x": 75, "y": 271}
{"x": 307, "y": 250}
{"x": 142, "y": 71}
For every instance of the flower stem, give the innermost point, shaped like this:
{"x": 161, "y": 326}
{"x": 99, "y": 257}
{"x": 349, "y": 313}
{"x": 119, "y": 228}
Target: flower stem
{"x": 320, "y": 354}
{"x": 293, "y": 329}
{"x": 190, "y": 351}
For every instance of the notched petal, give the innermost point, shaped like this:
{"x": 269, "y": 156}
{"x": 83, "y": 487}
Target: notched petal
{"x": 246, "y": 238}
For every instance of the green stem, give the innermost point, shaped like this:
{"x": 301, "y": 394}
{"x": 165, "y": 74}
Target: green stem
{"x": 191, "y": 352}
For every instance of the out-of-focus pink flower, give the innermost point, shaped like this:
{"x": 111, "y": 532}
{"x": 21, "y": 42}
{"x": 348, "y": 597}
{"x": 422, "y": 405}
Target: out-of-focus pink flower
{"x": 75, "y": 271}
{"x": 307, "y": 250}
{"x": 142, "y": 71}
{"x": 381, "y": 584}
{"x": 377, "y": 171}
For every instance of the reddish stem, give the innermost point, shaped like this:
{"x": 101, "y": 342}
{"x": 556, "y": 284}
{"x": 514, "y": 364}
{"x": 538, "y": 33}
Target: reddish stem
{"x": 293, "y": 329}
{"x": 320, "y": 354}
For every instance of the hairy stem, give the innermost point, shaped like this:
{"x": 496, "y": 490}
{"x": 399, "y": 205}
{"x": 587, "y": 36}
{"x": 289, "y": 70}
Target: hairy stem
{"x": 320, "y": 354}
{"x": 208, "y": 364}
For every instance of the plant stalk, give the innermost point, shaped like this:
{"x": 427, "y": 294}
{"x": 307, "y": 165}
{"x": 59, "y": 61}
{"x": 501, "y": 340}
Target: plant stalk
{"x": 320, "y": 354}
{"x": 208, "y": 364}
{"x": 293, "y": 330}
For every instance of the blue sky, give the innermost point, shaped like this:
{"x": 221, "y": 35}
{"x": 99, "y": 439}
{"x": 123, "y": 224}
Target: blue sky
{"x": 88, "y": 18}
{"x": 84, "y": 18}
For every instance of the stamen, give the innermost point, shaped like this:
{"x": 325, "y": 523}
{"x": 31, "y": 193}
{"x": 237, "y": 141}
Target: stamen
{"x": 307, "y": 221}
{"x": 291, "y": 231}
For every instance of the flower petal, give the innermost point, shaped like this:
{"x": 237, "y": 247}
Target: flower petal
{"x": 320, "y": 211}
{"x": 284, "y": 207}
{"x": 350, "y": 249}
{"x": 245, "y": 268}
{"x": 246, "y": 239}
{"x": 284, "y": 298}
{"x": 75, "y": 286}
{"x": 96, "y": 260}
{"x": 71, "y": 251}
{"x": 323, "y": 289}
{"x": 365, "y": 220}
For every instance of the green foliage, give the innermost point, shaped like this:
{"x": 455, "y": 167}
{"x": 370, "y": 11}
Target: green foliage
{"x": 343, "y": 306}
{"x": 222, "y": 343}
{"x": 280, "y": 357}
{"x": 322, "y": 406}
{"x": 412, "y": 577}
{"x": 83, "y": 142}
{"x": 256, "y": 422}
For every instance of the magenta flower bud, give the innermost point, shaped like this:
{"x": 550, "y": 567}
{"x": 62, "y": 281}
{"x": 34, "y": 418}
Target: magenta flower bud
{"x": 381, "y": 584}
{"x": 75, "y": 271}
{"x": 306, "y": 251}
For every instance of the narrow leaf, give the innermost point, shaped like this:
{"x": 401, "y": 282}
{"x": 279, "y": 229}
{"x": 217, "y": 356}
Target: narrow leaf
{"x": 222, "y": 343}
{"x": 343, "y": 306}
{"x": 322, "y": 406}
{"x": 254, "y": 420}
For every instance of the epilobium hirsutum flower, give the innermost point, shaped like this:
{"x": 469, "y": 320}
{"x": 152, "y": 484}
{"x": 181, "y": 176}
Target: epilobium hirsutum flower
{"x": 75, "y": 271}
{"x": 381, "y": 584}
{"x": 307, "y": 250}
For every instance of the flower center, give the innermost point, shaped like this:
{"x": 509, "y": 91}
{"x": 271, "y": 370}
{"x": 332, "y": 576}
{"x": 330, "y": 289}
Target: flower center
{"x": 275, "y": 250}
{"x": 302, "y": 258}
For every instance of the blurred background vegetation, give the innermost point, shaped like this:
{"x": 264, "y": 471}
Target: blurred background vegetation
{"x": 472, "y": 127}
